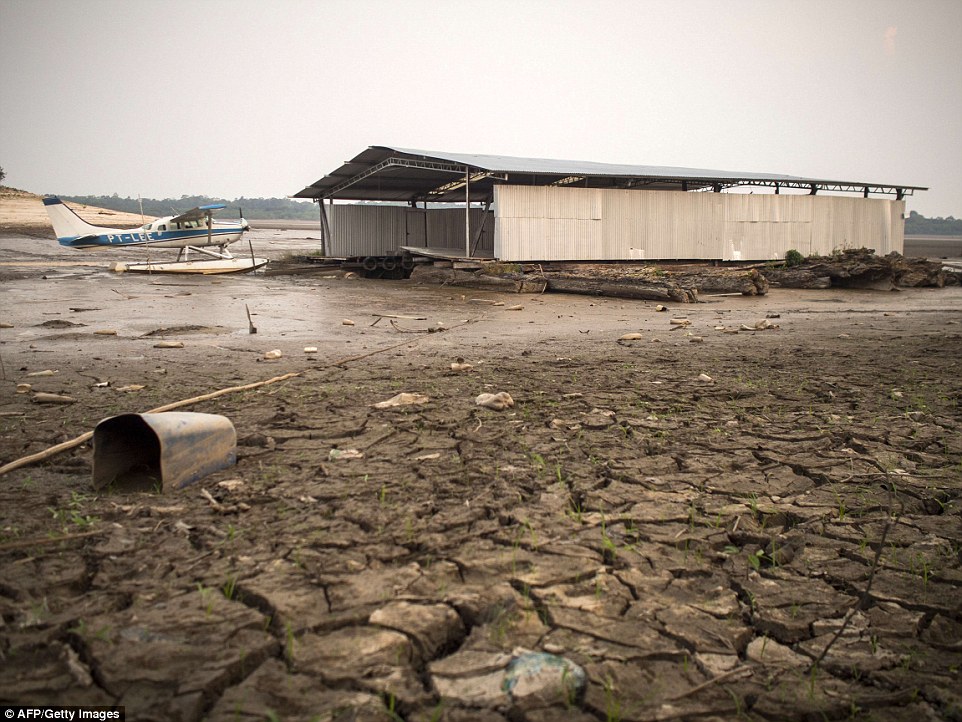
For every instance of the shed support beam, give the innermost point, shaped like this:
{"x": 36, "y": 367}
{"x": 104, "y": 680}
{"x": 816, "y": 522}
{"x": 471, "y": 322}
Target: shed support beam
{"x": 467, "y": 213}
{"x": 484, "y": 218}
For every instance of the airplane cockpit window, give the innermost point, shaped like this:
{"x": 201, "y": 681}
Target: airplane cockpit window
{"x": 163, "y": 227}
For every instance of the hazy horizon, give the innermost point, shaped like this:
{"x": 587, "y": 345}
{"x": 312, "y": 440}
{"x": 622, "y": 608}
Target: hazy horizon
{"x": 239, "y": 98}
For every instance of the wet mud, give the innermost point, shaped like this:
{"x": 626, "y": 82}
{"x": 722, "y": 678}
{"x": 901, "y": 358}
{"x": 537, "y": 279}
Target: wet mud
{"x": 711, "y": 521}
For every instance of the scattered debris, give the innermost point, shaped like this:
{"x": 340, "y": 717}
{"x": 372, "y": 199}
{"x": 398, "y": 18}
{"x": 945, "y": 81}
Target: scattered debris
{"x": 514, "y": 308}
{"x": 679, "y": 322}
{"x": 169, "y": 344}
{"x": 273, "y": 354}
{"x": 43, "y": 398}
{"x": 310, "y": 349}
{"x": 764, "y": 324}
{"x": 428, "y": 457}
{"x": 499, "y": 401}
{"x": 631, "y": 337}
{"x": 345, "y": 454}
{"x": 402, "y": 399}
{"x": 105, "y": 332}
{"x": 660, "y": 308}
{"x": 347, "y": 322}
{"x": 45, "y": 372}
{"x": 537, "y": 679}
{"x": 23, "y": 388}
{"x": 461, "y": 365}
{"x": 705, "y": 378}
{"x": 130, "y": 387}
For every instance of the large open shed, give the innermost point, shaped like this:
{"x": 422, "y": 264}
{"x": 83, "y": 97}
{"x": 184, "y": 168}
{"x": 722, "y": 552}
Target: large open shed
{"x": 533, "y": 209}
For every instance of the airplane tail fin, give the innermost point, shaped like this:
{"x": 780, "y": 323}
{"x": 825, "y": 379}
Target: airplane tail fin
{"x": 66, "y": 223}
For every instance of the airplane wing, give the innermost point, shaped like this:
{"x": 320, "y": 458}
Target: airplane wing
{"x": 197, "y": 214}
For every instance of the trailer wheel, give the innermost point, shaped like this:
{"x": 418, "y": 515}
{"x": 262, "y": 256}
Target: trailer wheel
{"x": 389, "y": 264}
{"x": 369, "y": 263}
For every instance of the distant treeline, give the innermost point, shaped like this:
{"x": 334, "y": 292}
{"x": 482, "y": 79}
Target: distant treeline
{"x": 916, "y": 225}
{"x": 253, "y": 208}
{"x": 288, "y": 210}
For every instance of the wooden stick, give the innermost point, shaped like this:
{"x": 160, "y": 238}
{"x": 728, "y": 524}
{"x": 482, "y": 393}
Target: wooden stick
{"x": 27, "y": 543}
{"x": 85, "y": 437}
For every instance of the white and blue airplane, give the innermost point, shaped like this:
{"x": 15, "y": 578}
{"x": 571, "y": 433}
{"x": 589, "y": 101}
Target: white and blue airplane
{"x": 193, "y": 230}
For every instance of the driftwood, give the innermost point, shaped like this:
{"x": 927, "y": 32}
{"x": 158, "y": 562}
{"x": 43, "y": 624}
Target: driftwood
{"x": 711, "y": 280}
{"x": 649, "y": 290}
{"x": 513, "y": 282}
{"x": 859, "y": 268}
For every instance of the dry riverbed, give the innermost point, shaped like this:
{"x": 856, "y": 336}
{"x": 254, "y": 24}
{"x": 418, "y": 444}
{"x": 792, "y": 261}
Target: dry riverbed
{"x": 709, "y": 521}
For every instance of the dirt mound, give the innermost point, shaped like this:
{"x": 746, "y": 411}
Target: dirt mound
{"x": 23, "y": 213}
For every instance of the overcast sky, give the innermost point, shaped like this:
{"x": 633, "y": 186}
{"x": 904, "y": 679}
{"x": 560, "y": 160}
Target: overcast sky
{"x": 248, "y": 98}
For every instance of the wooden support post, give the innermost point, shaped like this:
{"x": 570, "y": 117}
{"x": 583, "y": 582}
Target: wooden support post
{"x": 467, "y": 212}
{"x": 484, "y": 218}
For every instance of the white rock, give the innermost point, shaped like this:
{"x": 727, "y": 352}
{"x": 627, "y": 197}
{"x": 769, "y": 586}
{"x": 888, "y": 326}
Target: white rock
{"x": 705, "y": 378}
{"x": 631, "y": 337}
{"x": 347, "y": 322}
{"x": 402, "y": 399}
{"x": 274, "y": 353}
{"x": 499, "y": 401}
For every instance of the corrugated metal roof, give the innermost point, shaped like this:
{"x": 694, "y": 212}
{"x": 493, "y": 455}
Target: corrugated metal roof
{"x": 389, "y": 173}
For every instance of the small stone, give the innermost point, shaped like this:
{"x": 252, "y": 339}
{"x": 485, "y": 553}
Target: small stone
{"x": 461, "y": 366}
{"x": 659, "y": 307}
{"x": 696, "y": 339}
{"x": 347, "y": 322}
{"x": 273, "y": 354}
{"x": 514, "y": 308}
{"x": 679, "y": 322}
{"x": 631, "y": 337}
{"x": 705, "y": 378}
{"x": 105, "y": 332}
{"x": 310, "y": 349}
{"x": 42, "y": 398}
{"x": 23, "y": 388}
{"x": 169, "y": 344}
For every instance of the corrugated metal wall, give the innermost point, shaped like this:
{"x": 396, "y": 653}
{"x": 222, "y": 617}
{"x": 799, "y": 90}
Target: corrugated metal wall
{"x": 369, "y": 230}
{"x": 552, "y": 223}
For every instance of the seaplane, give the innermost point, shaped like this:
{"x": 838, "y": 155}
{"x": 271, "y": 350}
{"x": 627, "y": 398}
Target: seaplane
{"x": 193, "y": 230}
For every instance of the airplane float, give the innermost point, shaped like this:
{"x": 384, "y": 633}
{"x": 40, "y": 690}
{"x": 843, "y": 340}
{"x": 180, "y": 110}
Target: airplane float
{"x": 194, "y": 230}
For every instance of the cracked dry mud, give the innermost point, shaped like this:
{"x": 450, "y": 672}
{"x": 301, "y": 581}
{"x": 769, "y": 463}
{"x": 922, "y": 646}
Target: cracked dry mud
{"x": 695, "y": 546}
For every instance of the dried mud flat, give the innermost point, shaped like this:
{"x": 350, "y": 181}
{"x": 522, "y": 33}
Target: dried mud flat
{"x": 694, "y": 545}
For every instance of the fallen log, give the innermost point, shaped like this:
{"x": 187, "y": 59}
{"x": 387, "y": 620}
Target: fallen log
{"x": 859, "y": 268}
{"x": 514, "y": 283}
{"x": 627, "y": 288}
{"x": 722, "y": 280}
